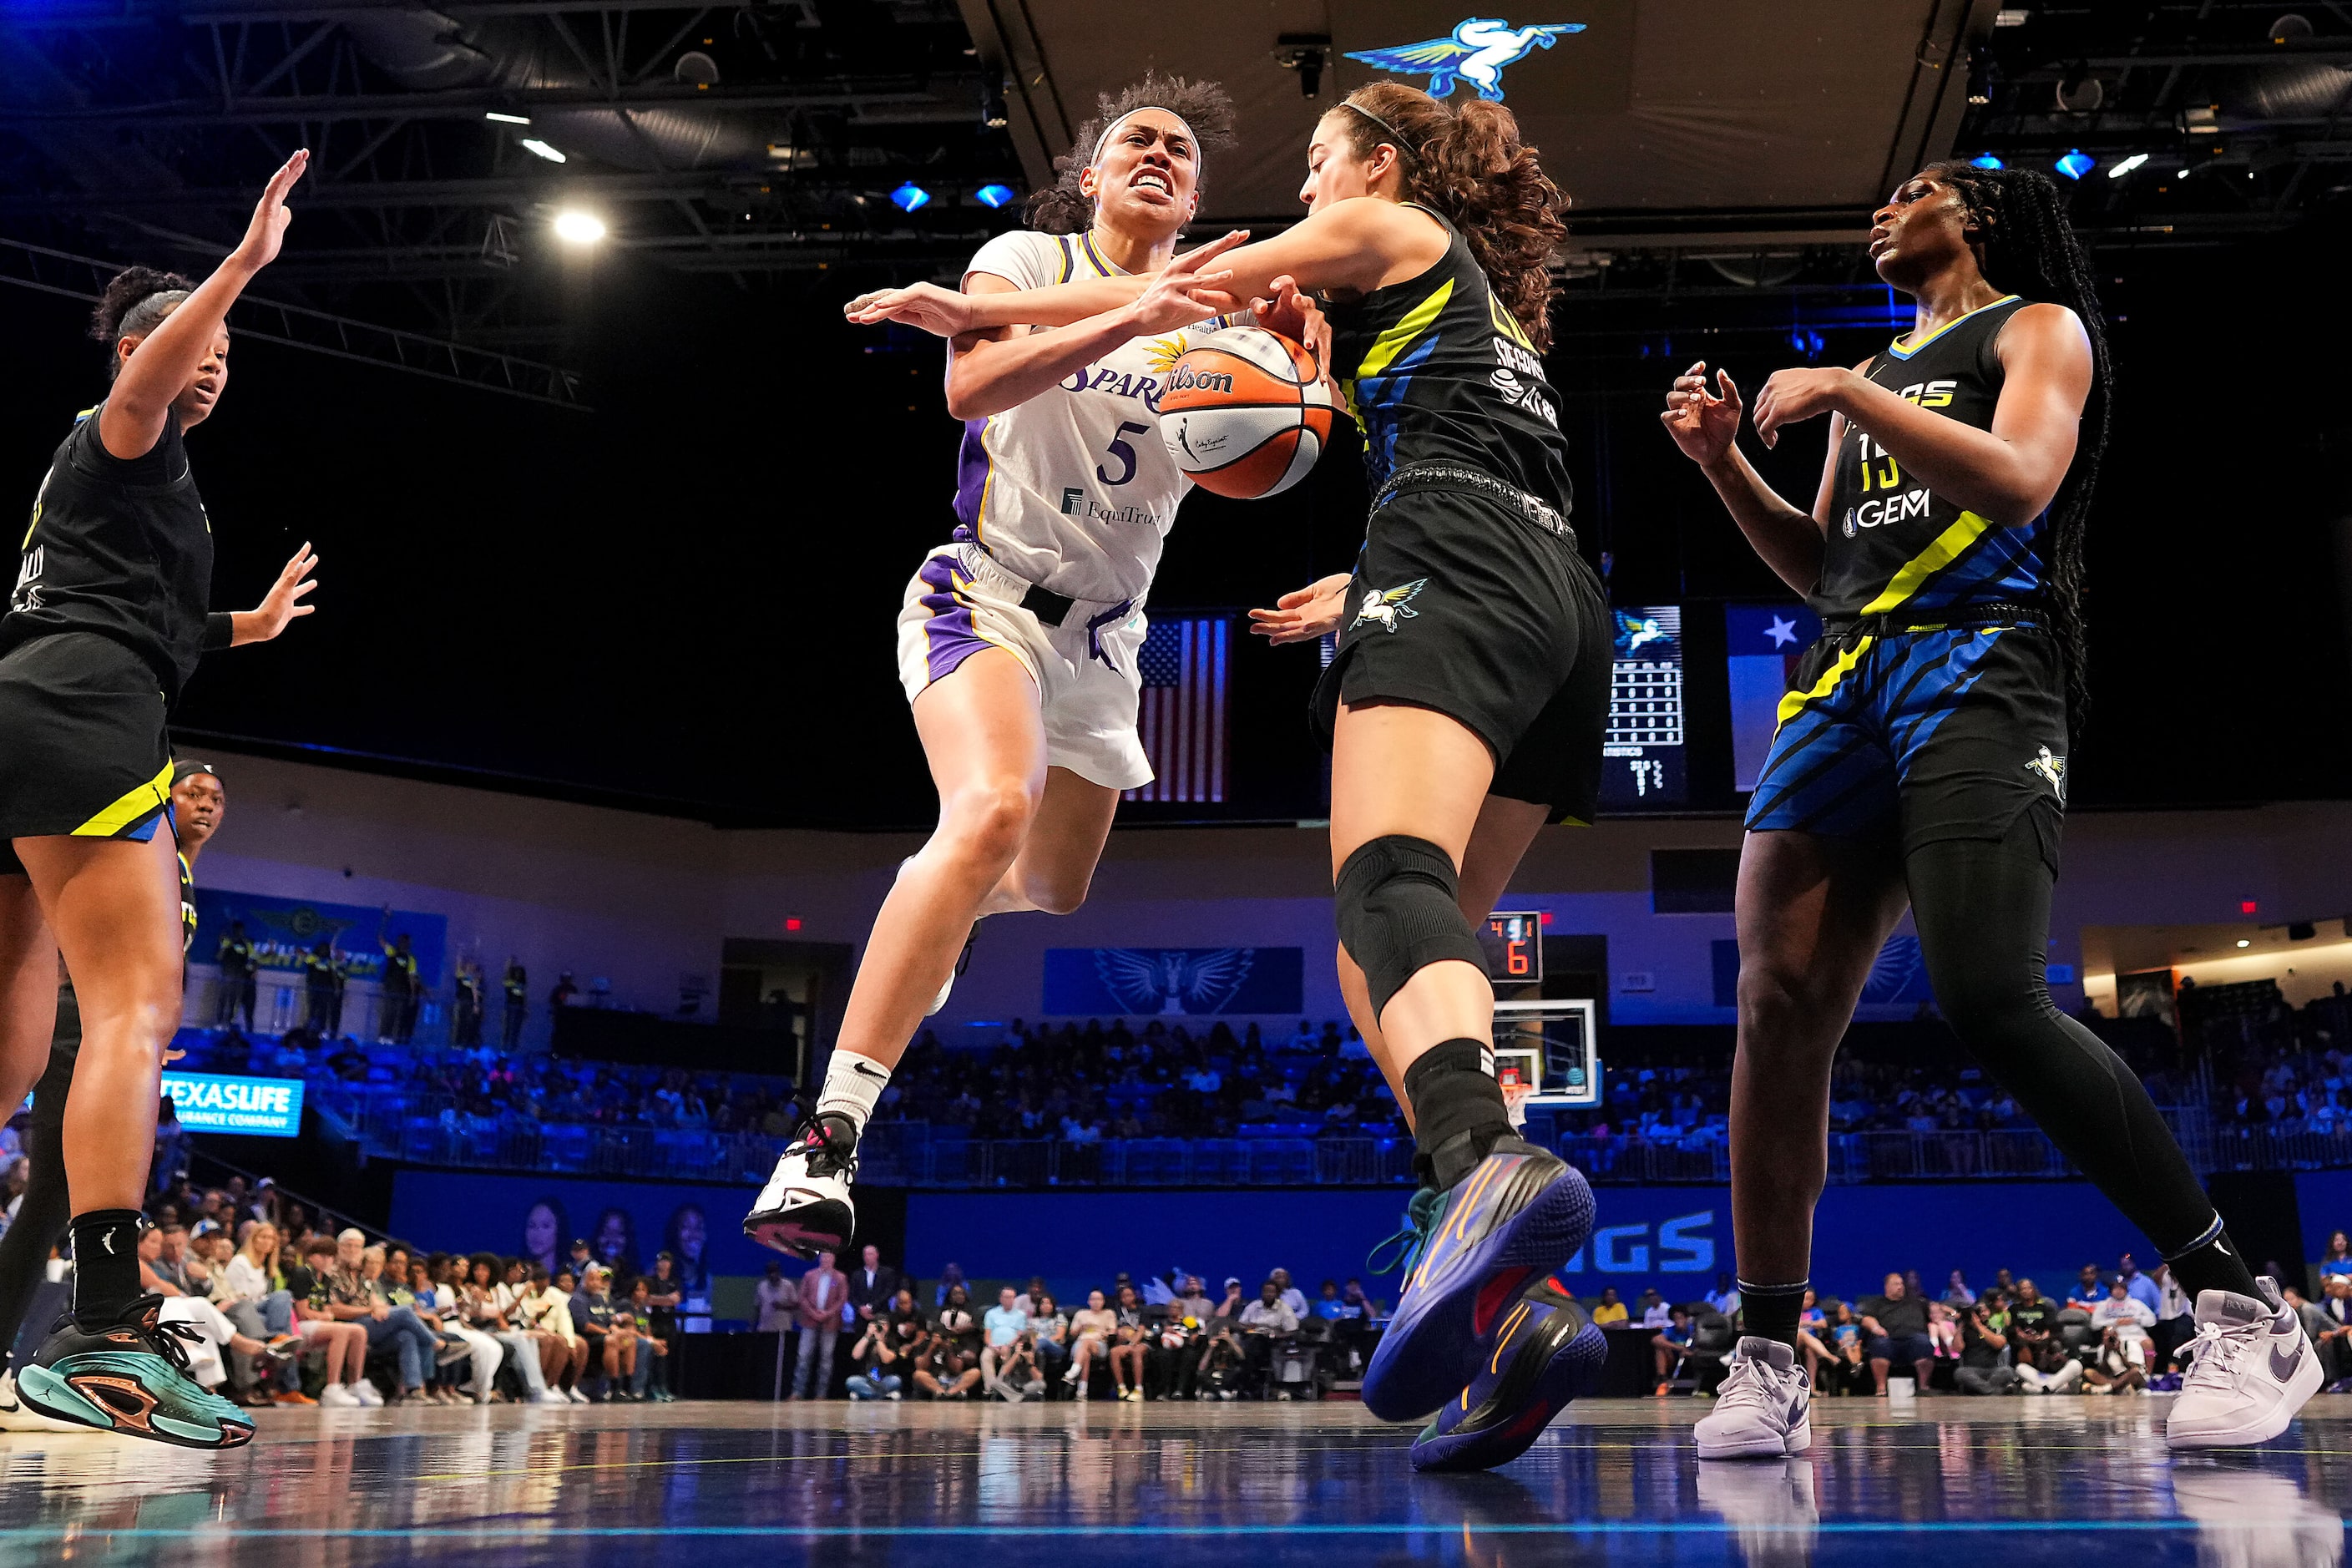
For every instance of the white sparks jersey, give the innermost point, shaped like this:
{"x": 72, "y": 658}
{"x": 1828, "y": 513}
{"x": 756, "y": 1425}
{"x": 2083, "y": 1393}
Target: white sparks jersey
{"x": 1074, "y": 490}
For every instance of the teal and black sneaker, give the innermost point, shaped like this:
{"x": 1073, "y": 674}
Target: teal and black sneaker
{"x": 131, "y": 1377}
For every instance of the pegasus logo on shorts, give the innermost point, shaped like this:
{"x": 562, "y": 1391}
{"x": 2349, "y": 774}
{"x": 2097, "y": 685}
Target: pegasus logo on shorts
{"x": 2053, "y": 769}
{"x": 1388, "y": 607}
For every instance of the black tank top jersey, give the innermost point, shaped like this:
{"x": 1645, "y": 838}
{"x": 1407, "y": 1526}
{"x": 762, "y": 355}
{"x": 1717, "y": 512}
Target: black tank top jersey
{"x": 1434, "y": 370}
{"x": 1895, "y": 543}
{"x": 121, "y": 548}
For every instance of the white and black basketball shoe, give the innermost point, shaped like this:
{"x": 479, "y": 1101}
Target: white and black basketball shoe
{"x": 805, "y": 1208}
{"x": 2255, "y": 1367}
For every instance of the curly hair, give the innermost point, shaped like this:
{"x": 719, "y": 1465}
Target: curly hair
{"x": 134, "y": 301}
{"x": 1062, "y": 208}
{"x": 1469, "y": 165}
{"x": 2029, "y": 249}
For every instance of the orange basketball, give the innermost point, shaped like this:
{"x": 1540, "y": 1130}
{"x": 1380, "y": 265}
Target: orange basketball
{"x": 1244, "y": 414}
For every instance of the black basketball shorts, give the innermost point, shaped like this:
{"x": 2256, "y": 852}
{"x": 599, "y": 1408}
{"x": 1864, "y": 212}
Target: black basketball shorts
{"x": 1462, "y": 605}
{"x": 83, "y": 750}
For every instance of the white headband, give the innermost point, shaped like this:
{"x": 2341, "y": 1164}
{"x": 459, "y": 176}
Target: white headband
{"x": 1104, "y": 140}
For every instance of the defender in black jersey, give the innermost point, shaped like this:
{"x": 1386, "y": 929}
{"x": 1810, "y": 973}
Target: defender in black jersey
{"x": 1921, "y": 758}
{"x": 1465, "y": 706}
{"x": 107, "y": 617}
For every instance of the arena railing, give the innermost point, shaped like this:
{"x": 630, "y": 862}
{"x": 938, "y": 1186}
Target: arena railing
{"x": 435, "y": 1130}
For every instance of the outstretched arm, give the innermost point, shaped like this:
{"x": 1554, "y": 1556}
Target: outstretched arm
{"x": 166, "y": 358}
{"x": 996, "y": 368}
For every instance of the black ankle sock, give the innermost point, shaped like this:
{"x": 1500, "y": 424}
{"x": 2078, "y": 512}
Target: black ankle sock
{"x": 1458, "y": 1113}
{"x": 106, "y": 1265}
{"x": 2212, "y": 1263}
{"x": 1772, "y": 1312}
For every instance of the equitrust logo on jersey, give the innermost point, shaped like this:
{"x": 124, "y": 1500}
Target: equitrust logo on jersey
{"x": 1076, "y": 503}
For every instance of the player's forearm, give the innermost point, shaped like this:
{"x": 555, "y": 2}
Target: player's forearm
{"x": 991, "y": 376}
{"x": 1788, "y": 541}
{"x": 2006, "y": 481}
{"x": 1060, "y": 305}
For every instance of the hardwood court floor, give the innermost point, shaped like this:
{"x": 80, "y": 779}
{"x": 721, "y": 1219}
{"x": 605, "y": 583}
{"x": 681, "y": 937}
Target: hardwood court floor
{"x": 2065, "y": 1481}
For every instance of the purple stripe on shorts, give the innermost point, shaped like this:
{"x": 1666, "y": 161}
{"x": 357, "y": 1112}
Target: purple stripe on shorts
{"x": 949, "y": 637}
{"x": 972, "y": 479}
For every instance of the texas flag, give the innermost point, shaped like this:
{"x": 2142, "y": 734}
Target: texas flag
{"x": 1764, "y": 642}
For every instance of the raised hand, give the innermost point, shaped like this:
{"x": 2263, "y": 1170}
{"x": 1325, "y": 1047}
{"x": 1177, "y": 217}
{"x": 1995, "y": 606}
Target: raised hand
{"x": 1793, "y": 397}
{"x": 945, "y": 312}
{"x": 270, "y": 215}
{"x": 1296, "y": 317}
{"x": 1702, "y": 424}
{"x": 1305, "y": 613}
{"x": 282, "y": 605}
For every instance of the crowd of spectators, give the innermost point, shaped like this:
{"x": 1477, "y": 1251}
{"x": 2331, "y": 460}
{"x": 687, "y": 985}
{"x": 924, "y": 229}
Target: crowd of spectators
{"x": 286, "y": 1313}
{"x": 877, "y": 1334}
{"x": 2127, "y": 1331}
{"x": 2285, "y": 1069}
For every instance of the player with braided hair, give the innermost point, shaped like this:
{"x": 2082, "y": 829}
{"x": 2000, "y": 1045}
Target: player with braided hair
{"x": 1921, "y": 758}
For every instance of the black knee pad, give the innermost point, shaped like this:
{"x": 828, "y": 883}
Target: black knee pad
{"x": 1396, "y": 900}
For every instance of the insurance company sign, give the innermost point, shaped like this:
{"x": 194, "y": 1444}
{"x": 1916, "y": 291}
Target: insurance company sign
{"x": 256, "y": 1107}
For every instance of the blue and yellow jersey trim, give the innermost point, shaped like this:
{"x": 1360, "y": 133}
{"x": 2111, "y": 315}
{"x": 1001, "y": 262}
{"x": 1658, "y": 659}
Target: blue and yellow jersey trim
{"x": 1903, "y": 350}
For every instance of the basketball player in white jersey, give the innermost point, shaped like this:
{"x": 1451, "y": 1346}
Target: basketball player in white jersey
{"x": 1018, "y": 640}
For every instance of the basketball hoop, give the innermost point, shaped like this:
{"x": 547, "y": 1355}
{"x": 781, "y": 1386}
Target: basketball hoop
{"x": 1517, "y": 1091}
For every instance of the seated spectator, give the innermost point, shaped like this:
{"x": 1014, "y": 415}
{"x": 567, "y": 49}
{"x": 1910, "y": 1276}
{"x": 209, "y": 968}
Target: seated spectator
{"x": 1130, "y": 1343}
{"x": 1654, "y": 1313}
{"x": 1610, "y": 1312}
{"x": 1943, "y": 1334}
{"x": 1232, "y": 1307}
{"x": 1813, "y": 1336}
{"x": 2043, "y": 1366}
{"x": 1003, "y": 1328}
{"x": 1983, "y": 1368}
{"x": 2338, "y": 1258}
{"x": 2034, "y": 1322}
{"x": 343, "y": 1344}
{"x": 1264, "y": 1322}
{"x": 1670, "y": 1344}
{"x": 1848, "y": 1374}
{"x": 2334, "y": 1310}
{"x": 951, "y": 1367}
{"x": 1724, "y": 1298}
{"x": 1896, "y": 1325}
{"x": 2130, "y": 1317}
{"x": 1091, "y": 1328}
{"x": 254, "y": 1296}
{"x": 2089, "y": 1290}
{"x": 657, "y": 1320}
{"x": 595, "y": 1317}
{"x": 1957, "y": 1294}
{"x": 2116, "y": 1367}
{"x": 1049, "y": 1331}
{"x": 543, "y": 1311}
{"x": 1219, "y": 1372}
{"x": 355, "y": 1295}
{"x": 876, "y": 1360}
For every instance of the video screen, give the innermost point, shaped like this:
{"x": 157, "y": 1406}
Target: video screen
{"x": 1762, "y": 644}
{"x": 1642, "y": 762}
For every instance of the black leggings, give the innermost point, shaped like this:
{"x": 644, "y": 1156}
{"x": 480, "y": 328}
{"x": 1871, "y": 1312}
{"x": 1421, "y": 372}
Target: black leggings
{"x": 41, "y": 1217}
{"x": 1983, "y": 913}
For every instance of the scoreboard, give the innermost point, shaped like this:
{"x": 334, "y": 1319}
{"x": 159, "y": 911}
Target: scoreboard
{"x": 1642, "y": 758}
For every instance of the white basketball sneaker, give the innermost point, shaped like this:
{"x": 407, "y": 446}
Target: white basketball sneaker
{"x": 2255, "y": 1369}
{"x": 1764, "y": 1409}
{"x": 805, "y": 1207}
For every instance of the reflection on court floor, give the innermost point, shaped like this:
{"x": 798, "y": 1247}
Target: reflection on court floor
{"x": 2063, "y": 1481}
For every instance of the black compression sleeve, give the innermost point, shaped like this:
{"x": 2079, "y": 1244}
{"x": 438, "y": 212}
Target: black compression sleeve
{"x": 1983, "y": 910}
{"x": 220, "y": 630}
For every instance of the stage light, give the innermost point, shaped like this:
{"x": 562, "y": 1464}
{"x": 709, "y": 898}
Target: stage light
{"x": 1984, "y": 161}
{"x": 909, "y": 196}
{"x": 576, "y": 228}
{"x": 2077, "y": 163}
{"x": 994, "y": 195}
{"x": 2244, "y": 942}
{"x": 542, "y": 149}
{"x": 507, "y": 119}
{"x": 2118, "y": 170}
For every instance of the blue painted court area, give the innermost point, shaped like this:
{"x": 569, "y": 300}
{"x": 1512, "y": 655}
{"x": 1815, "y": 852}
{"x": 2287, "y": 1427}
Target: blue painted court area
{"x": 2060, "y": 1481}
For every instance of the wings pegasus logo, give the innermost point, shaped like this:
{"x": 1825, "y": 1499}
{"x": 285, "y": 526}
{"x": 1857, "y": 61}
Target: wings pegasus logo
{"x": 1387, "y": 607}
{"x": 1476, "y": 53}
{"x": 1173, "y": 981}
{"x": 2052, "y": 770}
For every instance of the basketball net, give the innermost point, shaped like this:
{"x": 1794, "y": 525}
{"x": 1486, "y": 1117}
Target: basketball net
{"x": 1515, "y": 1093}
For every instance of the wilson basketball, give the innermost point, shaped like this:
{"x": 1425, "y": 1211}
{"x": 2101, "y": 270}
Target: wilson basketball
{"x": 1244, "y": 414}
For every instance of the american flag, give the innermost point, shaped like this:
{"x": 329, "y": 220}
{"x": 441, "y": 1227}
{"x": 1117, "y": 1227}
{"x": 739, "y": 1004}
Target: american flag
{"x": 1183, "y": 709}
